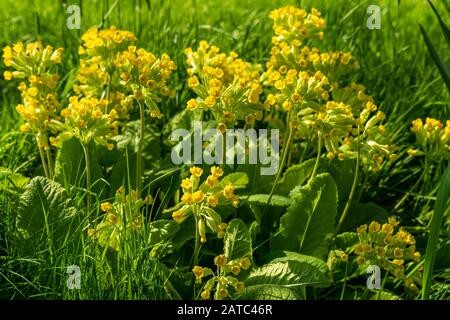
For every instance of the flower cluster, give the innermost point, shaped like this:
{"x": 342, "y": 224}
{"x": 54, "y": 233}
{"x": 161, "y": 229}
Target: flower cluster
{"x": 85, "y": 120}
{"x": 224, "y": 279}
{"x": 33, "y": 62}
{"x": 432, "y": 138}
{"x": 226, "y": 85}
{"x": 201, "y": 199}
{"x": 308, "y": 85}
{"x": 145, "y": 76}
{"x": 380, "y": 245}
{"x": 292, "y": 25}
{"x": 97, "y": 75}
{"x": 120, "y": 218}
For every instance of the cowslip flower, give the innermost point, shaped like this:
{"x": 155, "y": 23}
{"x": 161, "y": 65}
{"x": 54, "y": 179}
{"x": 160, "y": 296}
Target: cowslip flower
{"x": 224, "y": 282}
{"x": 200, "y": 199}
{"x": 381, "y": 245}
{"x": 225, "y": 85}
{"x": 432, "y": 139}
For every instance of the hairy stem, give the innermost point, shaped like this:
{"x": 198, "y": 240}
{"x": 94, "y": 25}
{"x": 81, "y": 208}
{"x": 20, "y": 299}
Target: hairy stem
{"x": 281, "y": 166}
{"x": 139, "y": 152}
{"x": 352, "y": 193}
{"x": 88, "y": 176}
{"x": 42, "y": 155}
{"x": 319, "y": 151}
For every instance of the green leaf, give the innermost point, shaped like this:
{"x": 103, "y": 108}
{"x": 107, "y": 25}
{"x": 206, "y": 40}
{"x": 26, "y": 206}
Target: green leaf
{"x": 268, "y": 292}
{"x": 70, "y": 165}
{"x": 45, "y": 211}
{"x": 361, "y": 213}
{"x": 346, "y": 240}
{"x": 444, "y": 27}
{"x": 442, "y": 262}
{"x": 292, "y": 270}
{"x": 438, "y": 61}
{"x": 295, "y": 175}
{"x": 261, "y": 199}
{"x": 8, "y": 177}
{"x": 238, "y": 179}
{"x": 162, "y": 230}
{"x": 237, "y": 240}
{"x": 308, "y": 224}
{"x": 440, "y": 208}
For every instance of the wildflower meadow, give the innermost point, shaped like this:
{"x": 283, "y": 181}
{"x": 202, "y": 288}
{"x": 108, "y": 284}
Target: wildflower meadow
{"x": 232, "y": 150}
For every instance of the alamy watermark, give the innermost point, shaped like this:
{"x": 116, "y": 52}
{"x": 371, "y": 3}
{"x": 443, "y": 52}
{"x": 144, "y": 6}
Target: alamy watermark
{"x": 374, "y": 280}
{"x": 240, "y": 147}
{"x": 74, "y": 278}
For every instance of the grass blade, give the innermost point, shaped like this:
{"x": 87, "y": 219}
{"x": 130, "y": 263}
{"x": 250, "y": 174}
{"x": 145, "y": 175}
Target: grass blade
{"x": 440, "y": 207}
{"x": 444, "y": 27}
{"x": 438, "y": 61}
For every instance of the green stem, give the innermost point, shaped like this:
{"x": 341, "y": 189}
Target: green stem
{"x": 49, "y": 156}
{"x": 139, "y": 152}
{"x": 281, "y": 166}
{"x": 41, "y": 153}
{"x": 88, "y": 176}
{"x": 352, "y": 193}
{"x": 197, "y": 240}
{"x": 319, "y": 152}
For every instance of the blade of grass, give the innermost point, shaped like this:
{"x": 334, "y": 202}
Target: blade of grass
{"x": 438, "y": 61}
{"x": 440, "y": 208}
{"x": 444, "y": 27}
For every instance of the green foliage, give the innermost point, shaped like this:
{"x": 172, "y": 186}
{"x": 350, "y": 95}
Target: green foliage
{"x": 237, "y": 241}
{"x": 308, "y": 224}
{"x": 45, "y": 211}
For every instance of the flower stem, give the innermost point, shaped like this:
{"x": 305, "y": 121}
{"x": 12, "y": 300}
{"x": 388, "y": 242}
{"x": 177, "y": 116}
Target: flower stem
{"x": 197, "y": 240}
{"x": 41, "y": 153}
{"x": 139, "y": 151}
{"x": 88, "y": 176}
{"x": 49, "y": 156}
{"x": 352, "y": 193}
{"x": 281, "y": 166}
{"x": 319, "y": 151}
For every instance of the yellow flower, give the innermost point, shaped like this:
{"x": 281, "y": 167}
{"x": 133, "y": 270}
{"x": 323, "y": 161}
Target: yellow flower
{"x": 198, "y": 196}
{"x": 193, "y": 82}
{"x": 235, "y": 270}
{"x": 7, "y": 75}
{"x": 360, "y": 260}
{"x": 186, "y": 183}
{"x": 398, "y": 253}
{"x": 196, "y": 171}
{"x": 187, "y": 198}
{"x": 387, "y": 228}
{"x": 192, "y": 104}
{"x": 222, "y": 293}
{"x": 220, "y": 260}
{"x": 380, "y": 251}
{"x": 374, "y": 226}
{"x": 105, "y": 206}
{"x": 198, "y": 272}
{"x": 393, "y": 222}
{"x": 206, "y": 294}
{"x": 245, "y": 263}
{"x": 416, "y": 256}
{"x": 211, "y": 181}
{"x": 239, "y": 286}
{"x": 213, "y": 201}
{"x": 361, "y": 229}
{"x": 228, "y": 191}
{"x": 398, "y": 261}
{"x": 178, "y": 216}
{"x": 388, "y": 239}
{"x": 216, "y": 171}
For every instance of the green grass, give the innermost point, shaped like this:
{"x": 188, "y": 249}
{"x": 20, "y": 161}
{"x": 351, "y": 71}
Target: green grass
{"x": 395, "y": 67}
